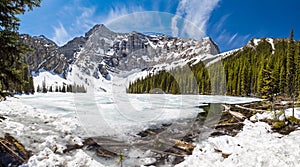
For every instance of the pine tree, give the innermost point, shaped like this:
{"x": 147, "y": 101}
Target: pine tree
{"x": 63, "y": 89}
{"x": 290, "y": 65}
{"x": 267, "y": 88}
{"x": 13, "y": 73}
{"x": 51, "y": 89}
{"x": 291, "y": 68}
{"x": 44, "y": 88}
{"x": 38, "y": 89}
{"x": 69, "y": 88}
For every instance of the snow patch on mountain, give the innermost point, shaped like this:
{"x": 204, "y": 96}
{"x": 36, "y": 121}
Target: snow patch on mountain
{"x": 50, "y": 79}
{"x": 271, "y": 41}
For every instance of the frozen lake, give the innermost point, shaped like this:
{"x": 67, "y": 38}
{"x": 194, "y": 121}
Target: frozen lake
{"x": 106, "y": 114}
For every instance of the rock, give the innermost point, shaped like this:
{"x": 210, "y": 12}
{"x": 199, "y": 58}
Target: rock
{"x": 278, "y": 124}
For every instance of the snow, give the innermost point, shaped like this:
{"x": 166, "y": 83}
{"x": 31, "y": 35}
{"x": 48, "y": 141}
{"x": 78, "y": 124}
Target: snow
{"x": 256, "y": 41}
{"x": 271, "y": 41}
{"x": 48, "y": 158}
{"x": 51, "y": 79}
{"x": 220, "y": 56}
{"x": 265, "y": 115}
{"x": 111, "y": 52}
{"x": 271, "y": 114}
{"x": 40, "y": 130}
{"x": 254, "y": 146}
{"x": 288, "y": 112}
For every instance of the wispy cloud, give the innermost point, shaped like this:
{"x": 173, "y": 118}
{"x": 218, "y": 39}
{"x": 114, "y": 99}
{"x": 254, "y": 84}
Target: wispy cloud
{"x": 233, "y": 37}
{"x": 225, "y": 38}
{"x": 60, "y": 34}
{"x": 218, "y": 26}
{"x": 230, "y": 40}
{"x": 136, "y": 18}
{"x": 196, "y": 14}
{"x": 86, "y": 19}
{"x": 119, "y": 13}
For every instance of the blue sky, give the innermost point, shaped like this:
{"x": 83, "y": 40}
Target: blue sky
{"x": 230, "y": 23}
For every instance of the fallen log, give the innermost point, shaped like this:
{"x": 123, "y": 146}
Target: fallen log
{"x": 163, "y": 152}
{"x": 229, "y": 124}
{"x": 249, "y": 109}
{"x": 89, "y": 142}
{"x": 12, "y": 152}
{"x": 188, "y": 147}
{"x": 237, "y": 115}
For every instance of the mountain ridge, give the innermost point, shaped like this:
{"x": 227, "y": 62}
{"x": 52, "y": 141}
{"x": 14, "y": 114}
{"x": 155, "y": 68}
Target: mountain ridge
{"x": 101, "y": 52}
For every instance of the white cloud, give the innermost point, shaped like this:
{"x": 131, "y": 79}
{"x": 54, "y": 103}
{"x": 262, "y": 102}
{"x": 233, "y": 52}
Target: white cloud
{"x": 61, "y": 36}
{"x": 175, "y": 30}
{"x": 196, "y": 14}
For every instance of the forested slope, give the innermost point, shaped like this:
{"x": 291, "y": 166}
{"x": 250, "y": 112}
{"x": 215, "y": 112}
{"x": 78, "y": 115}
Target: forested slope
{"x": 262, "y": 68}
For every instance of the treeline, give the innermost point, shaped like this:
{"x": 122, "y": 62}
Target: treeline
{"x": 176, "y": 81}
{"x": 16, "y": 78}
{"x": 73, "y": 88}
{"x": 254, "y": 71}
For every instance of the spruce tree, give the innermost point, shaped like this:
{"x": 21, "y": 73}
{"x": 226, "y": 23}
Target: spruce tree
{"x": 12, "y": 51}
{"x": 51, "y": 89}
{"x": 44, "y": 88}
{"x": 290, "y": 77}
{"x": 63, "y": 89}
{"x": 267, "y": 88}
{"x": 38, "y": 89}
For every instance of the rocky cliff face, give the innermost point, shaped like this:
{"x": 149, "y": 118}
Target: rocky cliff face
{"x": 102, "y": 51}
{"x": 107, "y": 51}
{"x": 45, "y": 55}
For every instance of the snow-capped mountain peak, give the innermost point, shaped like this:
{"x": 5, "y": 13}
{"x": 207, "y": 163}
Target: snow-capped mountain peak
{"x": 102, "y": 53}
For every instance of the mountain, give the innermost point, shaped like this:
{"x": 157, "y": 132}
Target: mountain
{"x": 45, "y": 56}
{"x": 102, "y": 54}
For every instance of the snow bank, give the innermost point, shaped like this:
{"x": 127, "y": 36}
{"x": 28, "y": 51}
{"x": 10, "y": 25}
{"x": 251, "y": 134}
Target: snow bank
{"x": 40, "y": 131}
{"x": 255, "y": 145}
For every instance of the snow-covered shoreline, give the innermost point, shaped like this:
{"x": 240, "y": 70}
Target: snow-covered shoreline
{"x": 256, "y": 145}
{"x": 41, "y": 131}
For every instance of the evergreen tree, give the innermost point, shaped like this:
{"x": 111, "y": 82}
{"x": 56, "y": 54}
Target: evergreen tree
{"x": 291, "y": 68}
{"x": 267, "y": 87}
{"x": 290, "y": 65}
{"x": 44, "y": 88}
{"x": 13, "y": 70}
{"x": 38, "y": 89}
{"x": 63, "y": 89}
{"x": 51, "y": 89}
{"x": 69, "y": 88}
